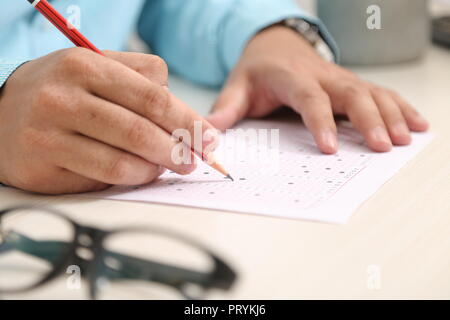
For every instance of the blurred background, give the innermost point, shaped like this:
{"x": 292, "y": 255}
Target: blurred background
{"x": 406, "y": 29}
{"x": 404, "y": 32}
{"x": 437, "y": 7}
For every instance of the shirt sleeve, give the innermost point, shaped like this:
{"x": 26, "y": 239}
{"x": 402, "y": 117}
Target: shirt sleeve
{"x": 203, "y": 40}
{"x": 7, "y": 68}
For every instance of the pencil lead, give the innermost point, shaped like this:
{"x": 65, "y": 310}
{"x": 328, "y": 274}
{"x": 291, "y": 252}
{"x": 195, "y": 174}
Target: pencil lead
{"x": 230, "y": 177}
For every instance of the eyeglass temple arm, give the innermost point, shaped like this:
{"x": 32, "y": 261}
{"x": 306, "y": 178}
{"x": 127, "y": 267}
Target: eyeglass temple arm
{"x": 135, "y": 268}
{"x": 46, "y": 250}
{"x": 130, "y": 267}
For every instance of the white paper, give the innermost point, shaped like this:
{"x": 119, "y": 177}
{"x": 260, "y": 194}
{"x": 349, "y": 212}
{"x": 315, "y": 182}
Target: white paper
{"x": 292, "y": 181}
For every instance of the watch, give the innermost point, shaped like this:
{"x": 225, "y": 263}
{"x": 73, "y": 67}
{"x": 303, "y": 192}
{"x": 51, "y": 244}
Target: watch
{"x": 311, "y": 33}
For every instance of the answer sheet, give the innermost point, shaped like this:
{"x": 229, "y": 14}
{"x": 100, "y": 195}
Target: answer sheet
{"x": 279, "y": 172}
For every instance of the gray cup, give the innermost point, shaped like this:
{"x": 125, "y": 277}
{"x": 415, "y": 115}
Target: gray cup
{"x": 402, "y": 35}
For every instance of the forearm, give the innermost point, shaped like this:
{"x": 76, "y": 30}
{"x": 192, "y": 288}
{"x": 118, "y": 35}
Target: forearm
{"x": 203, "y": 41}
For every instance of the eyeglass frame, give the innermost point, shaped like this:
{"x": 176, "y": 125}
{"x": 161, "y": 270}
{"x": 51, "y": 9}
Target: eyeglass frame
{"x": 221, "y": 277}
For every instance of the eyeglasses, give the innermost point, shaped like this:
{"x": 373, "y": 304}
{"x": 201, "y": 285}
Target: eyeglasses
{"x": 116, "y": 264}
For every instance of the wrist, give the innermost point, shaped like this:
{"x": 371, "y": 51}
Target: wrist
{"x": 312, "y": 34}
{"x": 278, "y": 36}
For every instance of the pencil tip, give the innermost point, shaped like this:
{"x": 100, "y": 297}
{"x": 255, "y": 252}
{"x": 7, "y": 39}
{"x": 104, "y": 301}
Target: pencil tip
{"x": 230, "y": 177}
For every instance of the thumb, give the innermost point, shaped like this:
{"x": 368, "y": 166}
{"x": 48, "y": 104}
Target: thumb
{"x": 231, "y": 106}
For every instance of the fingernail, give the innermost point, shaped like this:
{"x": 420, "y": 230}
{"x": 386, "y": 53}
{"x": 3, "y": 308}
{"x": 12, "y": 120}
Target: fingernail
{"x": 329, "y": 140}
{"x": 400, "y": 130}
{"x": 380, "y": 134}
{"x": 421, "y": 119}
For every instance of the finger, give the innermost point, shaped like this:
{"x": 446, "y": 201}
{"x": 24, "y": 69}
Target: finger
{"x": 67, "y": 182}
{"x": 365, "y": 116}
{"x": 97, "y": 161}
{"x": 125, "y": 130}
{"x": 129, "y": 89}
{"x": 392, "y": 116}
{"x": 150, "y": 66}
{"x": 231, "y": 106}
{"x": 414, "y": 120}
{"x": 314, "y": 105}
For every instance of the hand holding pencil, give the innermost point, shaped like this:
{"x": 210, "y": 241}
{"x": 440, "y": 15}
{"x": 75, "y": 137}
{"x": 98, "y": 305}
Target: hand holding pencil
{"x": 79, "y": 40}
{"x": 83, "y": 121}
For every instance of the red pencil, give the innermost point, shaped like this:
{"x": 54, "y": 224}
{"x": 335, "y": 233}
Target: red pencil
{"x": 63, "y": 25}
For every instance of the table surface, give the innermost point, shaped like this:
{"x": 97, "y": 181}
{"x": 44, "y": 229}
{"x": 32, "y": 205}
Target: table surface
{"x": 399, "y": 238}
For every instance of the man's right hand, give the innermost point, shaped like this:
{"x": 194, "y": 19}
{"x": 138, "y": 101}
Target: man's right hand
{"x": 75, "y": 121}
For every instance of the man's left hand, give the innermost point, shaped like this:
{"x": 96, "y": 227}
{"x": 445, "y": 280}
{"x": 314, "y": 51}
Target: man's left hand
{"x": 280, "y": 68}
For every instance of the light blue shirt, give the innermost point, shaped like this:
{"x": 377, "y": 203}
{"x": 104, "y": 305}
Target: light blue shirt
{"x": 201, "y": 40}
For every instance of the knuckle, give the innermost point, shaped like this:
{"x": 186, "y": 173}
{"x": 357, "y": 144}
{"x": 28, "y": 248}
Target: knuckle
{"x": 398, "y": 98}
{"x": 159, "y": 64}
{"x": 76, "y": 60}
{"x": 138, "y": 134}
{"x": 152, "y": 66}
{"x": 287, "y": 70}
{"x": 36, "y": 141}
{"x": 118, "y": 170}
{"x": 322, "y": 118}
{"x": 353, "y": 90}
{"x": 393, "y": 93}
{"x": 379, "y": 91}
{"x": 53, "y": 100}
{"x": 44, "y": 97}
{"x": 73, "y": 56}
{"x": 313, "y": 96}
{"x": 157, "y": 103}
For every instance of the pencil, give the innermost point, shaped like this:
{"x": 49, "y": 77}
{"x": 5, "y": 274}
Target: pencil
{"x": 52, "y": 15}
{"x": 66, "y": 28}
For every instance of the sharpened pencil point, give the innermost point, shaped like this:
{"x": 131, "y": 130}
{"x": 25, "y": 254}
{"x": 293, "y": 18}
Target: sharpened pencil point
{"x": 230, "y": 177}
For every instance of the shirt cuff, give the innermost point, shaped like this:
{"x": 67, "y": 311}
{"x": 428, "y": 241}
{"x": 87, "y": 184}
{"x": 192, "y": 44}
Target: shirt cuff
{"x": 6, "y": 69}
{"x": 256, "y": 15}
